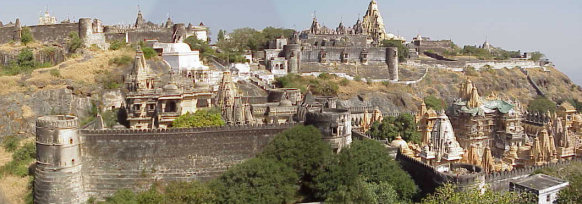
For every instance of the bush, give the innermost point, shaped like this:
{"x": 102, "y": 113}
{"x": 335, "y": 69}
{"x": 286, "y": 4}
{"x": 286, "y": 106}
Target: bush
{"x": 202, "y": 118}
{"x": 21, "y": 159}
{"x": 10, "y": 143}
{"x": 26, "y": 36}
{"x": 116, "y": 45}
{"x": 470, "y": 71}
{"x": 56, "y": 73}
{"x": 435, "y": 103}
{"x": 358, "y": 78}
{"x": 324, "y": 76}
{"x": 149, "y": 52}
{"x": 318, "y": 86}
{"x": 390, "y": 127}
{"x": 541, "y": 105}
{"x": 121, "y": 60}
{"x": 74, "y": 42}
{"x": 344, "y": 82}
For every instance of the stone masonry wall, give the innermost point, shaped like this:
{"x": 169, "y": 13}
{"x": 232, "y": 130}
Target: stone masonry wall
{"x": 117, "y": 159}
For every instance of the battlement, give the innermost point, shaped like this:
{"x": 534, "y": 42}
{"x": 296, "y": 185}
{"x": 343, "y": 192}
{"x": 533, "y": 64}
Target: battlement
{"x": 57, "y": 121}
{"x": 227, "y": 128}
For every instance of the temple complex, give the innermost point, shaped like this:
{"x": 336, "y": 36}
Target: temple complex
{"x": 496, "y": 134}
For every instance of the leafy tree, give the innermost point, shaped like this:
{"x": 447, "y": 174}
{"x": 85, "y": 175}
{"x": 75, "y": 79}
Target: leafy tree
{"x": 257, "y": 181}
{"x": 26, "y": 36}
{"x": 363, "y": 165}
{"x": 272, "y": 33}
{"x": 149, "y": 52}
{"x": 536, "y": 56}
{"x": 302, "y": 149}
{"x": 221, "y": 35}
{"x": 25, "y": 59}
{"x": 390, "y": 127}
{"x": 447, "y": 194}
{"x": 435, "y": 103}
{"x": 402, "y": 50}
{"x": 116, "y": 45}
{"x": 200, "y": 45}
{"x": 74, "y": 42}
{"x": 541, "y": 105}
{"x": 202, "y": 118}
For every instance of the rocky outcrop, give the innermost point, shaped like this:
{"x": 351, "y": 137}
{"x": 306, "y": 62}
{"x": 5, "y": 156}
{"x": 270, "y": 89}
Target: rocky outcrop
{"x": 21, "y": 109}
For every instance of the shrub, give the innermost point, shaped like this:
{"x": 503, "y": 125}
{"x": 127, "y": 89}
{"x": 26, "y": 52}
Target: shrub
{"x": 344, "y": 82}
{"x": 149, "y": 52}
{"x": 21, "y": 159}
{"x": 470, "y": 71}
{"x": 324, "y": 76}
{"x": 541, "y": 105}
{"x": 116, "y": 45}
{"x": 202, "y": 118}
{"x": 26, "y": 36}
{"x": 121, "y": 60}
{"x": 10, "y": 143}
{"x": 358, "y": 78}
{"x": 56, "y": 73}
{"x": 74, "y": 42}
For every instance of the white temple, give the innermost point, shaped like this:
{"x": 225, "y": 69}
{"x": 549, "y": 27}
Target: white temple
{"x": 443, "y": 146}
{"x": 182, "y": 59}
{"x": 47, "y": 19}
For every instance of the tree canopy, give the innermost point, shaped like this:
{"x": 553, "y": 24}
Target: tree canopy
{"x": 200, "y": 45}
{"x": 202, "y": 118}
{"x": 541, "y": 105}
{"x": 257, "y": 180}
{"x": 359, "y": 169}
{"x": 390, "y": 127}
{"x": 435, "y": 103}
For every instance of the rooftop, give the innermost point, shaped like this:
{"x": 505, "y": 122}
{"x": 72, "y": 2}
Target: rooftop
{"x": 541, "y": 182}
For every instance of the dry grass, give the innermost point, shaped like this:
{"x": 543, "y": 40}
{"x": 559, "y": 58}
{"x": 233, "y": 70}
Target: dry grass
{"x": 76, "y": 69}
{"x": 14, "y": 188}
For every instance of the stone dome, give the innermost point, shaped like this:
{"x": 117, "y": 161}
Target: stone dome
{"x": 285, "y": 102}
{"x": 170, "y": 87}
{"x": 399, "y": 143}
{"x": 178, "y": 47}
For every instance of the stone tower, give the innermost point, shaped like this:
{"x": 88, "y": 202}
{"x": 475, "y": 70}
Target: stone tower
{"x": 58, "y": 176}
{"x": 85, "y": 28}
{"x": 335, "y": 126}
{"x": 17, "y": 30}
{"x": 293, "y": 56}
{"x": 392, "y": 60}
{"x": 373, "y": 23}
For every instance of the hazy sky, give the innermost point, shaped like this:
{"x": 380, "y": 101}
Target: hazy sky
{"x": 553, "y": 27}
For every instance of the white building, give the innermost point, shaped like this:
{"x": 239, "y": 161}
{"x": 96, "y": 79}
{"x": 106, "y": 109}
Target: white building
{"x": 183, "y": 61}
{"x": 545, "y": 187}
{"x": 240, "y": 71}
{"x": 47, "y": 19}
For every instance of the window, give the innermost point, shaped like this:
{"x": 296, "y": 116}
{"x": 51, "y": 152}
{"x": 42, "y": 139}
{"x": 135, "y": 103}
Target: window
{"x": 73, "y": 161}
{"x": 137, "y": 107}
{"x": 71, "y": 141}
{"x": 152, "y": 106}
{"x": 549, "y": 198}
{"x": 171, "y": 106}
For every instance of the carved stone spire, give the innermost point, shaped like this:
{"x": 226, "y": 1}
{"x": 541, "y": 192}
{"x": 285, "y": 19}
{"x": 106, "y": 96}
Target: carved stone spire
{"x": 488, "y": 162}
{"x": 373, "y": 23}
{"x": 139, "y": 22}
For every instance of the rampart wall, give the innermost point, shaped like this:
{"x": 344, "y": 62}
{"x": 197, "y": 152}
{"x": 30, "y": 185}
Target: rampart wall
{"x": 160, "y": 35}
{"x": 53, "y": 33}
{"x": 375, "y": 54}
{"x": 118, "y": 159}
{"x": 7, "y": 34}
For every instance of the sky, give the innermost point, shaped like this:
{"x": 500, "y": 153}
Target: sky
{"x": 553, "y": 27}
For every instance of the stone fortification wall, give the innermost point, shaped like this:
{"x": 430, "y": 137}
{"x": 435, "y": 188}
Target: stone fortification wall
{"x": 54, "y": 55}
{"x": 116, "y": 159}
{"x": 335, "y": 40}
{"x": 375, "y": 54}
{"x": 53, "y": 33}
{"x": 7, "y": 34}
{"x": 160, "y": 35}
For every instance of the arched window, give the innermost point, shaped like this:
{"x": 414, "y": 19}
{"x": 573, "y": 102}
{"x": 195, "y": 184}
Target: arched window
{"x": 71, "y": 141}
{"x": 171, "y": 106}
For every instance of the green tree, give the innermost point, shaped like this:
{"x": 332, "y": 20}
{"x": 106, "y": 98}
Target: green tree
{"x": 188, "y": 192}
{"x": 26, "y": 36}
{"x": 435, "y": 103}
{"x": 302, "y": 149}
{"x": 363, "y": 165}
{"x": 257, "y": 181}
{"x": 202, "y": 118}
{"x": 200, "y": 45}
{"x": 272, "y": 33}
{"x": 25, "y": 59}
{"x": 390, "y": 127}
{"x": 149, "y": 52}
{"x": 221, "y": 35}
{"x": 541, "y": 105}
{"x": 536, "y": 56}
{"x": 402, "y": 50}
{"x": 447, "y": 194}
{"x": 74, "y": 42}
